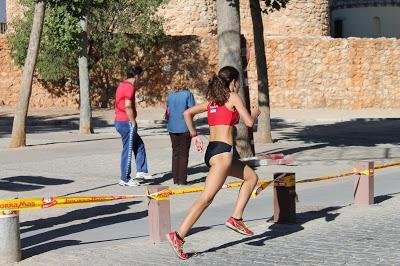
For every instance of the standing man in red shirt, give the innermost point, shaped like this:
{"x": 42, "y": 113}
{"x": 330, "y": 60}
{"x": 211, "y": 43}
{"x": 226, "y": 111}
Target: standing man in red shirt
{"x": 125, "y": 123}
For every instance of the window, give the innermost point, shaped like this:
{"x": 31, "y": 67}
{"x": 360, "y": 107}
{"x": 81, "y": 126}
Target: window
{"x": 3, "y": 17}
{"x": 3, "y": 27}
{"x": 338, "y": 29}
{"x": 376, "y": 30}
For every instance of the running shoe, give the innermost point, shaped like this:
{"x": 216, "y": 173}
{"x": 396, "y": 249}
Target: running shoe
{"x": 131, "y": 183}
{"x": 238, "y": 226}
{"x": 143, "y": 175}
{"x": 177, "y": 245}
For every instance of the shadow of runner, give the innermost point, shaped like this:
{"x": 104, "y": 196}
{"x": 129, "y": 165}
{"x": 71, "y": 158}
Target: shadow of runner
{"x": 75, "y": 215}
{"x": 30, "y": 252}
{"x": 76, "y": 228}
{"x": 278, "y": 230}
{"x": 49, "y": 246}
{"x": 198, "y": 229}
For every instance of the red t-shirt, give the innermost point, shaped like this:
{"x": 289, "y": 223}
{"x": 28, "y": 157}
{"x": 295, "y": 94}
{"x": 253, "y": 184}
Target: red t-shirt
{"x": 125, "y": 91}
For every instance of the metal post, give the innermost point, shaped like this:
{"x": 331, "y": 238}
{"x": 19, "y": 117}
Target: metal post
{"x": 284, "y": 198}
{"x": 159, "y": 216}
{"x": 10, "y": 240}
{"x": 364, "y": 183}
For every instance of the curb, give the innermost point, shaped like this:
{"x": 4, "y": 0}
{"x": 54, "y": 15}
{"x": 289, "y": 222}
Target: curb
{"x": 268, "y": 159}
{"x": 75, "y": 123}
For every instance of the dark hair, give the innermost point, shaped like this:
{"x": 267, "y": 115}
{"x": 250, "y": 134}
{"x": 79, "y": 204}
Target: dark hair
{"x": 134, "y": 71}
{"x": 218, "y": 87}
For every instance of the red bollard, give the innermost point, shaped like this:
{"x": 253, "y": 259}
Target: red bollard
{"x": 159, "y": 216}
{"x": 364, "y": 183}
{"x": 284, "y": 198}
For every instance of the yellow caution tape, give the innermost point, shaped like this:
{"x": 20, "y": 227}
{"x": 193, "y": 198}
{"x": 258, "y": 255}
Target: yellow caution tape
{"x": 164, "y": 194}
{"x": 324, "y": 178}
{"x": 263, "y": 184}
{"x": 10, "y": 206}
{"x": 285, "y": 181}
{"x": 380, "y": 166}
{"x": 355, "y": 171}
{"x": 365, "y": 172}
{"x": 52, "y": 202}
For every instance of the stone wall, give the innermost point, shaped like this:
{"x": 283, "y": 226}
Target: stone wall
{"x": 311, "y": 72}
{"x": 10, "y": 79}
{"x": 13, "y": 10}
{"x": 299, "y": 18}
{"x": 189, "y": 17}
{"x": 198, "y": 17}
{"x": 339, "y": 73}
{"x": 190, "y": 54}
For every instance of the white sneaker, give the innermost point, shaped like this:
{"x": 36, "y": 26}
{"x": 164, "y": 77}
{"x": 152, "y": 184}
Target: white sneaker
{"x": 131, "y": 183}
{"x": 143, "y": 175}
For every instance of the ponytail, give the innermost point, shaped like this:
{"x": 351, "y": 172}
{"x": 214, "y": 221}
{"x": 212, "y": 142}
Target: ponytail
{"x": 217, "y": 90}
{"x": 218, "y": 87}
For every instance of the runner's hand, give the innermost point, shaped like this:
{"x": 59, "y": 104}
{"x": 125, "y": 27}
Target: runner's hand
{"x": 198, "y": 143}
{"x": 255, "y": 112}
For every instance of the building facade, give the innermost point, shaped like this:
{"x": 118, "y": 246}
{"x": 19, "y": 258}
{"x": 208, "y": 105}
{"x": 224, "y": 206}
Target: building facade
{"x": 365, "y": 18}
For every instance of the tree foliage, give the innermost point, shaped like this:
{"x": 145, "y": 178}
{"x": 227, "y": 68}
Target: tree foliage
{"x": 114, "y": 28}
{"x": 274, "y": 5}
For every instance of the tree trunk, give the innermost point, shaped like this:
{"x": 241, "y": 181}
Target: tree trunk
{"x": 85, "y": 120}
{"x": 264, "y": 120}
{"x": 18, "y": 136}
{"x": 229, "y": 53}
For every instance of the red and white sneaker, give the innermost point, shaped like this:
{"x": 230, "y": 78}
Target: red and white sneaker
{"x": 238, "y": 226}
{"x": 177, "y": 245}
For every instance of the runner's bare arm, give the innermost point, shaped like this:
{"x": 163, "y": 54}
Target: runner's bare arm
{"x": 238, "y": 103}
{"x": 190, "y": 113}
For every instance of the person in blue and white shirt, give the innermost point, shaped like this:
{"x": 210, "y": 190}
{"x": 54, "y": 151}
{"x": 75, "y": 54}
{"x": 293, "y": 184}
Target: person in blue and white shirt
{"x": 178, "y": 101}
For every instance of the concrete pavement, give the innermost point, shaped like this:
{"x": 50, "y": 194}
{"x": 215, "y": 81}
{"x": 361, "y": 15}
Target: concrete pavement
{"x": 330, "y": 230}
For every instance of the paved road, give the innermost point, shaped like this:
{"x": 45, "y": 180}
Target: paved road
{"x": 329, "y": 231}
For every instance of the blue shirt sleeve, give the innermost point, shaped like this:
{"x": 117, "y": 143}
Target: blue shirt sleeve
{"x": 190, "y": 100}
{"x": 169, "y": 95}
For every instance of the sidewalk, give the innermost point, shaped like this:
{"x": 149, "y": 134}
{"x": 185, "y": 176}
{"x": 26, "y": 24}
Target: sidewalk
{"x": 328, "y": 236}
{"x": 156, "y": 114}
{"x": 330, "y": 231}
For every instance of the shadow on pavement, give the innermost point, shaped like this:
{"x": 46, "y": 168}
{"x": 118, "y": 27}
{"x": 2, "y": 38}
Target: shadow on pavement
{"x": 49, "y": 246}
{"x": 278, "y": 230}
{"x": 28, "y": 183}
{"x": 29, "y": 244}
{"x": 72, "y": 141}
{"x": 89, "y": 189}
{"x": 75, "y": 215}
{"x": 195, "y": 169}
{"x": 196, "y": 230}
{"x": 382, "y": 198}
{"x": 363, "y": 132}
{"x": 51, "y": 123}
{"x": 356, "y": 132}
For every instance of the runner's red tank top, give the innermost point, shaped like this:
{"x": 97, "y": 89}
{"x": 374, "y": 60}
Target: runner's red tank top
{"x": 220, "y": 115}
